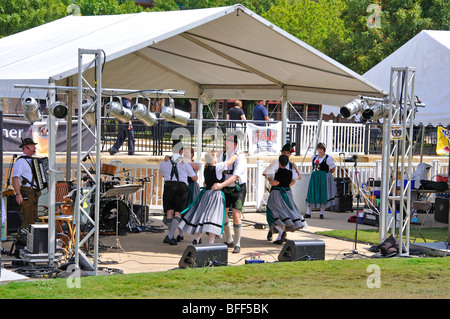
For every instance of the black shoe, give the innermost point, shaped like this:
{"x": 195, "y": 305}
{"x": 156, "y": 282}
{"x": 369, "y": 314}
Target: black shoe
{"x": 278, "y": 241}
{"x": 112, "y": 152}
{"x": 307, "y": 216}
{"x": 283, "y": 237}
{"x": 236, "y": 250}
{"x": 170, "y": 241}
{"x": 180, "y": 238}
{"x": 229, "y": 245}
{"x": 269, "y": 235}
{"x": 321, "y": 216}
{"x": 195, "y": 242}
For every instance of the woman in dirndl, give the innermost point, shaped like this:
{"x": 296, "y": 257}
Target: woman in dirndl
{"x": 280, "y": 204}
{"x": 206, "y": 214}
{"x": 322, "y": 188}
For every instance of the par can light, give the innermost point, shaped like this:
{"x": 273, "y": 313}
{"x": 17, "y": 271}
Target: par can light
{"x": 59, "y": 110}
{"x": 31, "y": 109}
{"x": 141, "y": 112}
{"x": 118, "y": 111}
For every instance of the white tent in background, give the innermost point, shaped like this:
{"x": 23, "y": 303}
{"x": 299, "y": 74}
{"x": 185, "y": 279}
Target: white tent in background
{"x": 429, "y": 53}
{"x": 228, "y": 52}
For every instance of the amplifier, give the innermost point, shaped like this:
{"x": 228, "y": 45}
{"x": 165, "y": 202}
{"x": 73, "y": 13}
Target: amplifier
{"x": 37, "y": 239}
{"x": 204, "y": 256}
{"x": 296, "y": 250}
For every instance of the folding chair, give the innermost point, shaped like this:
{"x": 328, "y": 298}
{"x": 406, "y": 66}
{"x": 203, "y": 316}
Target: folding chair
{"x": 423, "y": 206}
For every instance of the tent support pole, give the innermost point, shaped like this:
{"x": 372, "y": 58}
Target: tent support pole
{"x": 284, "y": 105}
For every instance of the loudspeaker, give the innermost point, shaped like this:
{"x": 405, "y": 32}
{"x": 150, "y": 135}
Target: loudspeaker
{"x": 296, "y": 250}
{"x": 204, "y": 256}
{"x": 441, "y": 209}
{"x": 343, "y": 203}
{"x": 13, "y": 221}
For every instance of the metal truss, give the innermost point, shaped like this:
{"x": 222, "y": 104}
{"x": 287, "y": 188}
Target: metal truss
{"x": 397, "y": 158}
{"x": 92, "y": 225}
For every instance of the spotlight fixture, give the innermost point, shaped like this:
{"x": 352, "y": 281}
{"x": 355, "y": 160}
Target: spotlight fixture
{"x": 171, "y": 114}
{"x": 118, "y": 111}
{"x": 353, "y": 107}
{"x": 141, "y": 112}
{"x": 205, "y": 98}
{"x": 59, "y": 110}
{"x": 88, "y": 112}
{"x": 31, "y": 109}
{"x": 375, "y": 112}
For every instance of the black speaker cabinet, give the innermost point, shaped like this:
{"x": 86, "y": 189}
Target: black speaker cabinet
{"x": 204, "y": 255}
{"x": 441, "y": 210}
{"x": 296, "y": 250}
{"x": 13, "y": 221}
{"x": 343, "y": 203}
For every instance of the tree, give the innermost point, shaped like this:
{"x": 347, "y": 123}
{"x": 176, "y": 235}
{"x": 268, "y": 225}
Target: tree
{"x": 20, "y": 15}
{"x": 311, "y": 21}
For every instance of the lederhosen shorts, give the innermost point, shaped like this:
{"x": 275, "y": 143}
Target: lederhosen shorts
{"x": 175, "y": 196}
{"x": 235, "y": 198}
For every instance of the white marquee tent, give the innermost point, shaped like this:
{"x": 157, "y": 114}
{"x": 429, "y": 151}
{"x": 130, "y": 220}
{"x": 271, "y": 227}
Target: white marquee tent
{"x": 228, "y": 52}
{"x": 429, "y": 53}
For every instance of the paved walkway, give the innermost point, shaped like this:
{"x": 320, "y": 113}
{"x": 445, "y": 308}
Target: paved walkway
{"x": 145, "y": 251}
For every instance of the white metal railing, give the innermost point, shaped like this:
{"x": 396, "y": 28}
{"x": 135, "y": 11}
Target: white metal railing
{"x": 338, "y": 137}
{"x": 152, "y": 183}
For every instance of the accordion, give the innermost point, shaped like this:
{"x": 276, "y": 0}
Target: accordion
{"x": 39, "y": 166}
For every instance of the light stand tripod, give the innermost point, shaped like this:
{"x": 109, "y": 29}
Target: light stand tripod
{"x": 354, "y": 159}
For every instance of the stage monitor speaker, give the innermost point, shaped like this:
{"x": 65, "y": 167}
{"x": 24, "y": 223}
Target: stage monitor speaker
{"x": 297, "y": 250}
{"x": 204, "y": 256}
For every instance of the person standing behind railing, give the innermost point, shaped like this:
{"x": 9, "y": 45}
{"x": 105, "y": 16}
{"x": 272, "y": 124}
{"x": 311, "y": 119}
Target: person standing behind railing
{"x": 260, "y": 112}
{"x": 236, "y": 113}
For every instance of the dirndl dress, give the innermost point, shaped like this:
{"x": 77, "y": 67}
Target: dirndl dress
{"x": 281, "y": 208}
{"x": 322, "y": 187}
{"x": 206, "y": 213}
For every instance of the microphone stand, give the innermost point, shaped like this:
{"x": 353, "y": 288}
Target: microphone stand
{"x": 358, "y": 196}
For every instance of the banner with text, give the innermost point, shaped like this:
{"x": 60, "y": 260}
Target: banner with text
{"x": 264, "y": 140}
{"x": 15, "y": 130}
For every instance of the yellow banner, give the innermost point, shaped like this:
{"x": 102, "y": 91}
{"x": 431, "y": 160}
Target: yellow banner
{"x": 442, "y": 146}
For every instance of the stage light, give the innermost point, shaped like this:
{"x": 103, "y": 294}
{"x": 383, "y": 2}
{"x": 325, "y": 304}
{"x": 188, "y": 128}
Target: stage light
{"x": 30, "y": 107}
{"x": 205, "y": 98}
{"x": 141, "y": 112}
{"x": 118, "y": 111}
{"x": 59, "y": 110}
{"x": 170, "y": 114}
{"x": 89, "y": 112}
{"x": 353, "y": 107}
{"x": 375, "y": 112}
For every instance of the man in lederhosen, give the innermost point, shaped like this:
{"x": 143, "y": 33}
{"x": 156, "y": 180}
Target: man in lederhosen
{"x": 235, "y": 188}
{"x": 25, "y": 184}
{"x": 175, "y": 173}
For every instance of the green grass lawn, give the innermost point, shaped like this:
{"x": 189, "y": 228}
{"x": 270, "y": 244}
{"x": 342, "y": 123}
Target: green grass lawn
{"x": 372, "y": 235}
{"x": 399, "y": 278}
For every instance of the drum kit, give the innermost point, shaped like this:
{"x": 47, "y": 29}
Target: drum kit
{"x": 116, "y": 213}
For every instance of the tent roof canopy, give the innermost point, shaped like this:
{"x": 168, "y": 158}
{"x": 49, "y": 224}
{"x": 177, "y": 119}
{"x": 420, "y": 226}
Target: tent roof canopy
{"x": 228, "y": 52}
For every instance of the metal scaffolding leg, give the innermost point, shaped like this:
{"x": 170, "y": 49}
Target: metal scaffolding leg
{"x": 95, "y": 178}
{"x": 397, "y": 158}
